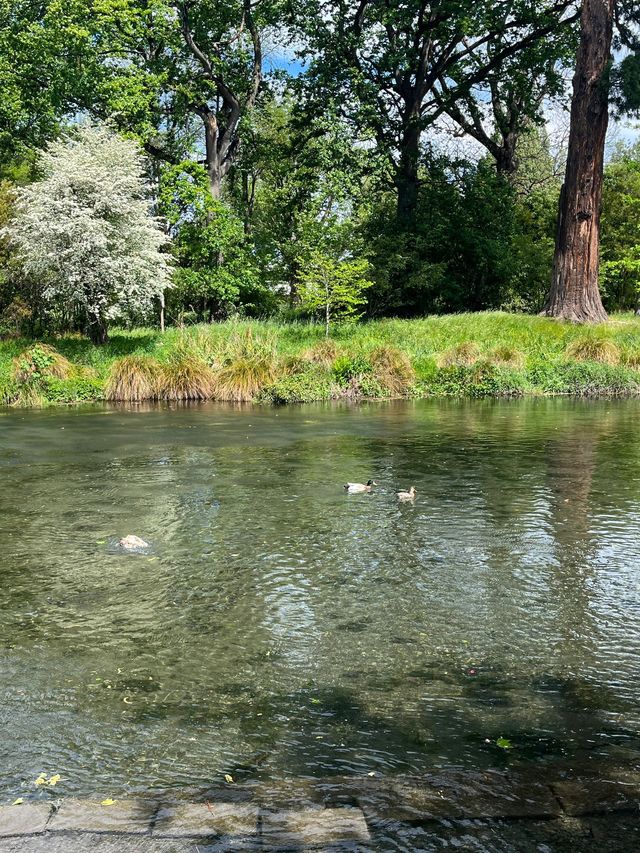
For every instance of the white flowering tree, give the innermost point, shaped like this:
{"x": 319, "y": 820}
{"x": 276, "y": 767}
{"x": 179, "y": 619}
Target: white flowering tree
{"x": 85, "y": 232}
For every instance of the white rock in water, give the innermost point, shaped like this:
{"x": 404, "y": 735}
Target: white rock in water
{"x": 131, "y": 542}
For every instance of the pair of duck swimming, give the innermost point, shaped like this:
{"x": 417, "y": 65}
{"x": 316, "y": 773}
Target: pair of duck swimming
{"x": 357, "y": 488}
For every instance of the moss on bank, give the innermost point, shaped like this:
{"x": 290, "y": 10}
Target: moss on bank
{"x": 464, "y": 355}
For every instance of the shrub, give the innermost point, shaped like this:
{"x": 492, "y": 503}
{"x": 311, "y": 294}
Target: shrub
{"x": 593, "y": 348}
{"x": 133, "y": 379}
{"x": 15, "y": 318}
{"x": 39, "y": 362}
{"x": 77, "y": 389}
{"x": 348, "y": 367}
{"x": 392, "y": 370}
{"x": 462, "y": 355}
{"x": 306, "y": 387}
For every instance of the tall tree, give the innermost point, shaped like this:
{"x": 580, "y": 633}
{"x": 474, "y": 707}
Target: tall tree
{"x": 512, "y": 96}
{"x": 574, "y": 293}
{"x": 179, "y": 74}
{"x": 395, "y": 67}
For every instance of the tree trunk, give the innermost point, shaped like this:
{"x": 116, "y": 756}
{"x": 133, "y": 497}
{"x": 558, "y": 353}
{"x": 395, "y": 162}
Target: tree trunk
{"x": 327, "y": 309}
{"x": 211, "y": 150}
{"x": 505, "y": 154}
{"x": 97, "y": 330}
{"x": 574, "y": 293}
{"x": 407, "y": 181}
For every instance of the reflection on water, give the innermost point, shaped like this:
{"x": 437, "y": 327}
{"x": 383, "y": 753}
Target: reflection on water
{"x": 279, "y": 627}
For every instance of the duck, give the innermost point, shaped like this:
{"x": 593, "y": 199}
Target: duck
{"x": 407, "y": 495}
{"x": 354, "y": 488}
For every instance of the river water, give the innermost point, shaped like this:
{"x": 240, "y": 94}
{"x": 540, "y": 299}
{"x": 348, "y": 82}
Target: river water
{"x": 280, "y": 628}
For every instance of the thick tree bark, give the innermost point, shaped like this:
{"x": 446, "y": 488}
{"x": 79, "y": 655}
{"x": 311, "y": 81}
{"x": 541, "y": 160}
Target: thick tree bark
{"x": 212, "y": 154}
{"x": 407, "y": 180}
{"x": 574, "y": 293}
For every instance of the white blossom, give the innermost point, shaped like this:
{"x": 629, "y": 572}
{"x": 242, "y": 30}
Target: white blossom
{"x": 85, "y": 230}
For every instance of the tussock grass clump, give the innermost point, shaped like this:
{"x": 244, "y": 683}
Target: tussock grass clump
{"x": 630, "y": 358}
{"x": 133, "y": 379}
{"x": 40, "y": 362}
{"x": 323, "y": 353}
{"x": 462, "y": 355}
{"x": 506, "y": 356}
{"x": 593, "y": 348}
{"x": 186, "y": 378}
{"x": 392, "y": 370}
{"x": 242, "y": 378}
{"x": 249, "y": 364}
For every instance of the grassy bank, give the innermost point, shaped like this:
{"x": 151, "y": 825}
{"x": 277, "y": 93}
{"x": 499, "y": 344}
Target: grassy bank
{"x": 472, "y": 355}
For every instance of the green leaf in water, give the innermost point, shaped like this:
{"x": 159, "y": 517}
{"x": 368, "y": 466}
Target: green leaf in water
{"x": 504, "y": 743}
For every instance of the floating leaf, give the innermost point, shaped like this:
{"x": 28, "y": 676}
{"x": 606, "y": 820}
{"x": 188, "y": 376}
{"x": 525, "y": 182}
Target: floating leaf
{"x": 228, "y": 778}
{"x": 54, "y": 780}
{"x": 504, "y": 743}
{"x": 108, "y": 802}
{"x": 315, "y": 701}
{"x": 18, "y": 802}
{"x": 41, "y": 780}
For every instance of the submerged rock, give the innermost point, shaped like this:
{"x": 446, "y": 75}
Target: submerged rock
{"x": 132, "y": 543}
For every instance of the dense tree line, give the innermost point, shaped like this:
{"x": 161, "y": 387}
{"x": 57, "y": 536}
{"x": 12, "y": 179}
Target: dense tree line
{"x": 288, "y": 143}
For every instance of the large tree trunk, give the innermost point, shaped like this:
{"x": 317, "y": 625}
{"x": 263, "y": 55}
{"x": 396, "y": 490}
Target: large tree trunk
{"x": 214, "y": 171}
{"x": 407, "y": 181}
{"x": 574, "y": 293}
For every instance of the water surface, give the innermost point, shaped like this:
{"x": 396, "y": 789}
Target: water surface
{"x": 278, "y": 627}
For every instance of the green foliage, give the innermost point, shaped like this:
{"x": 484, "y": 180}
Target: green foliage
{"x": 476, "y": 243}
{"x": 332, "y": 288}
{"x": 214, "y": 273}
{"x": 39, "y": 362}
{"x": 509, "y": 355}
{"x": 75, "y": 389}
{"x": 620, "y": 247}
{"x": 310, "y": 386}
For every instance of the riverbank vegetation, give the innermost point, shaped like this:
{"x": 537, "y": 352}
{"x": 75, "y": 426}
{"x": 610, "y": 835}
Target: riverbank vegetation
{"x": 242, "y": 173}
{"x": 473, "y": 355}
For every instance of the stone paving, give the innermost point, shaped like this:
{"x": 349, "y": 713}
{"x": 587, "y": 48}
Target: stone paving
{"x": 485, "y": 811}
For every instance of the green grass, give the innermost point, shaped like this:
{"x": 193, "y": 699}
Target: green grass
{"x": 473, "y": 355}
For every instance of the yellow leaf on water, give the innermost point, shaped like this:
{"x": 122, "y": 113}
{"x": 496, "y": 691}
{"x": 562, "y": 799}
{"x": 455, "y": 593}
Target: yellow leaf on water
{"x": 228, "y": 778}
{"x": 41, "y": 780}
{"x": 54, "y": 779}
{"x": 18, "y": 802}
{"x": 108, "y": 802}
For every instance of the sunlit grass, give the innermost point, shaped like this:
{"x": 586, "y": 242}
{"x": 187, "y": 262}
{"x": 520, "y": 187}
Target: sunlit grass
{"x": 241, "y": 360}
